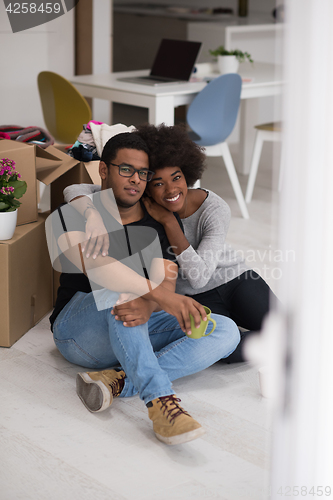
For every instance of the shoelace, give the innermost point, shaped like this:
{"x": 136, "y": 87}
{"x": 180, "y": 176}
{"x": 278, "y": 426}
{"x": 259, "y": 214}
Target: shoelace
{"x": 174, "y": 410}
{"x": 117, "y": 385}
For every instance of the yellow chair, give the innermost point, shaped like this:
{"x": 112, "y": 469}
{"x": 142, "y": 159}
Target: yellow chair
{"x": 65, "y": 110}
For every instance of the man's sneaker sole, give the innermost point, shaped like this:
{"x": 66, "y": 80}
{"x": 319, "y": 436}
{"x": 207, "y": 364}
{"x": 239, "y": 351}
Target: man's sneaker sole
{"x": 93, "y": 393}
{"x": 182, "y": 438}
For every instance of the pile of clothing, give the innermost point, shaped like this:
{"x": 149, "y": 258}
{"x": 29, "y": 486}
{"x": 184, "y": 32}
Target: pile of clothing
{"x": 90, "y": 143}
{"x": 88, "y": 146}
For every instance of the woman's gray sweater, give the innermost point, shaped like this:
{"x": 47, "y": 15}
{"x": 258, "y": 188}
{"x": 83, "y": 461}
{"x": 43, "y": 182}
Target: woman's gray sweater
{"x": 208, "y": 262}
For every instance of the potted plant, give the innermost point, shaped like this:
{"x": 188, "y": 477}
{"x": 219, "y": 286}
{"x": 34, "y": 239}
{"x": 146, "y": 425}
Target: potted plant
{"x": 11, "y": 188}
{"x": 228, "y": 60}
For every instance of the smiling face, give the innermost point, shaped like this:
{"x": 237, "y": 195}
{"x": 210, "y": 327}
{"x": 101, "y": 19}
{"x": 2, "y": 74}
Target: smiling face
{"x": 127, "y": 190}
{"x": 169, "y": 189}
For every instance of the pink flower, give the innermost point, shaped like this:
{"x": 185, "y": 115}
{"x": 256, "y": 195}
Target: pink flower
{"x": 7, "y": 190}
{"x": 7, "y": 168}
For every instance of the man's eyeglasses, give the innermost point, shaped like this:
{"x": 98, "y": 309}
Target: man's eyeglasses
{"x": 129, "y": 171}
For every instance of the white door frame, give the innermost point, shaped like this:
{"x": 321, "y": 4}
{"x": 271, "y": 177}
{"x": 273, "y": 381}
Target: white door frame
{"x": 303, "y": 429}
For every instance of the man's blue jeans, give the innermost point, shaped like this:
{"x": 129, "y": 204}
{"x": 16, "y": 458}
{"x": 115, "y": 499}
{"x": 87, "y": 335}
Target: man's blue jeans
{"x": 152, "y": 355}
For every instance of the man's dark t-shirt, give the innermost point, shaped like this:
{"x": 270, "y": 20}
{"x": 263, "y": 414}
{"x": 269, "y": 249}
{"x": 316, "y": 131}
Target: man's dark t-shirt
{"x": 145, "y": 239}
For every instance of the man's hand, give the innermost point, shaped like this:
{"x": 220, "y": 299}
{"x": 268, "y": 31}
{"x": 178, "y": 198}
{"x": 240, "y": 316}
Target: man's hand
{"x": 159, "y": 213}
{"x": 135, "y": 311}
{"x": 97, "y": 235}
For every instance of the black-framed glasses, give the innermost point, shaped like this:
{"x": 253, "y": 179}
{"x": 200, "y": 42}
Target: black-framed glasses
{"x": 128, "y": 171}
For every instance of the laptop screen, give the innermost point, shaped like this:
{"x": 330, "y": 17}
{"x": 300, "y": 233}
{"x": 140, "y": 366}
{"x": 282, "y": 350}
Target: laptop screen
{"x": 175, "y": 59}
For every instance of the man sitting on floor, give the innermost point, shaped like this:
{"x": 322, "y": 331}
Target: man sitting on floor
{"x": 152, "y": 348}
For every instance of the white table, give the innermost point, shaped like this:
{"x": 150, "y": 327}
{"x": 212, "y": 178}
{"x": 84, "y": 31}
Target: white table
{"x": 161, "y": 101}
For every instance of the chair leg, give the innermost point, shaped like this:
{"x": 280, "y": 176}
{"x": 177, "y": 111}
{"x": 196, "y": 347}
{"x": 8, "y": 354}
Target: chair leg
{"x": 281, "y": 171}
{"x": 234, "y": 179}
{"x": 254, "y": 166}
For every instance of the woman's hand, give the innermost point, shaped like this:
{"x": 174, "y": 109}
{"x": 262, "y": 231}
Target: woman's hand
{"x": 159, "y": 213}
{"x": 135, "y": 311}
{"x": 97, "y": 236}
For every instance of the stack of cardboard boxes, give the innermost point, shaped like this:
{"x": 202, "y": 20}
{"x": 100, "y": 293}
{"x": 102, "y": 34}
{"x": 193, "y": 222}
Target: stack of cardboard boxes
{"x": 28, "y": 283}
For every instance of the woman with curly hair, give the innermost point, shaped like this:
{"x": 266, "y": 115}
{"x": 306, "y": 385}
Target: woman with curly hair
{"x": 210, "y": 271}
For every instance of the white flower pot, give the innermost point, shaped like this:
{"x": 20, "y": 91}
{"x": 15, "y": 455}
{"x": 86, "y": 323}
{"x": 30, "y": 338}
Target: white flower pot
{"x": 227, "y": 64}
{"x": 7, "y": 224}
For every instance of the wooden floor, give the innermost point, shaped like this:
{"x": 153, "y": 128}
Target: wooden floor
{"x": 52, "y": 448}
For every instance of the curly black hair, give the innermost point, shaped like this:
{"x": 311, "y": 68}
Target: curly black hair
{"x": 172, "y": 147}
{"x": 125, "y": 140}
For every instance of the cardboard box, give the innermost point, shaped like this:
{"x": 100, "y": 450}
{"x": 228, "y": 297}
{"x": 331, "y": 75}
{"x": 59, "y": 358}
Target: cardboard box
{"x": 26, "y": 281}
{"x": 29, "y": 159}
{"x": 64, "y": 173}
{"x": 50, "y": 166}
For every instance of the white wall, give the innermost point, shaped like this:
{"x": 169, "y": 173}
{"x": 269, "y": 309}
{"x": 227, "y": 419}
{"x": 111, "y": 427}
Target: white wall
{"x": 264, "y": 6}
{"x": 264, "y": 43}
{"x": 23, "y": 55}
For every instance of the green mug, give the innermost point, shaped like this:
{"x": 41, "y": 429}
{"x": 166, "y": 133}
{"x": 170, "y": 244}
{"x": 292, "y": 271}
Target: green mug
{"x": 199, "y": 332}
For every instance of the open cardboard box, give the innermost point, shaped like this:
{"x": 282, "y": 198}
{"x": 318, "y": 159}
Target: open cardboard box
{"x": 26, "y": 281}
{"x": 63, "y": 171}
{"x": 50, "y": 166}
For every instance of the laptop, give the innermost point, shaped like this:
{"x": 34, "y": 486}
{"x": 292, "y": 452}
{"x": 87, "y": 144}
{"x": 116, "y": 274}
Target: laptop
{"x": 173, "y": 63}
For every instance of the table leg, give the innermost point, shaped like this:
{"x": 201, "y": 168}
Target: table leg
{"x": 249, "y": 117}
{"x": 162, "y": 111}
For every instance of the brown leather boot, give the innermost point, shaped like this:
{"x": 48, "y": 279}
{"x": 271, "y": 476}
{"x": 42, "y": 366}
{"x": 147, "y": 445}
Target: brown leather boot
{"x": 97, "y": 389}
{"x": 171, "y": 423}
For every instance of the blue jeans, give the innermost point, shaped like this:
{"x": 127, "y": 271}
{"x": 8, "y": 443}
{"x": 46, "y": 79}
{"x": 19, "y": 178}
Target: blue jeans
{"x": 152, "y": 355}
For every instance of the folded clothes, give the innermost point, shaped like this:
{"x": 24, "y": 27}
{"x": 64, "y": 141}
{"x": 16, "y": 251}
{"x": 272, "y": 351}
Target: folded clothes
{"x": 30, "y": 135}
{"x": 91, "y": 141}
